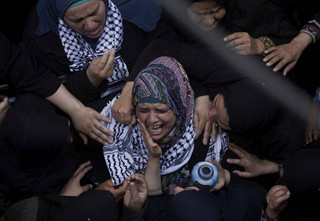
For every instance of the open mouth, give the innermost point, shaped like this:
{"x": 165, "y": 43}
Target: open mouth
{"x": 155, "y": 129}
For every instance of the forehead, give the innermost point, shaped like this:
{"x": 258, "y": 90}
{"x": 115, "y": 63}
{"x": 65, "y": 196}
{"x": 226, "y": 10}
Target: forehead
{"x": 205, "y": 5}
{"x": 153, "y": 105}
{"x": 83, "y": 9}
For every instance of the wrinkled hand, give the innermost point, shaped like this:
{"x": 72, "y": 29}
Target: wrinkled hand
{"x": 277, "y": 199}
{"x": 122, "y": 108}
{"x": 153, "y": 148}
{"x": 242, "y": 43}
{"x": 4, "y": 107}
{"x": 253, "y": 166}
{"x": 136, "y": 192}
{"x": 73, "y": 187}
{"x": 101, "y": 68}
{"x": 283, "y": 56}
{"x": 202, "y": 120}
{"x": 286, "y": 55}
{"x": 223, "y": 179}
{"x": 88, "y": 122}
{"x": 118, "y": 193}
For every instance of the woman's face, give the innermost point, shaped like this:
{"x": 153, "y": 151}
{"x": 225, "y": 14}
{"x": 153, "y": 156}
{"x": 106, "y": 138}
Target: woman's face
{"x": 87, "y": 18}
{"x": 206, "y": 14}
{"x": 158, "y": 118}
{"x": 219, "y": 112}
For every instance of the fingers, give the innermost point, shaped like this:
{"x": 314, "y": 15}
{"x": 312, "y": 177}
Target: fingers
{"x": 196, "y": 125}
{"x": 177, "y": 190}
{"x": 207, "y": 132}
{"x": 109, "y": 66}
{"x": 243, "y": 174}
{"x": 133, "y": 121}
{"x": 237, "y": 150}
{"x": 214, "y": 131}
{"x": 82, "y": 170}
{"x": 87, "y": 187}
{"x": 84, "y": 138}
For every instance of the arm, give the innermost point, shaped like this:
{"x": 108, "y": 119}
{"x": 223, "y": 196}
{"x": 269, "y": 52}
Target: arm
{"x": 85, "y": 120}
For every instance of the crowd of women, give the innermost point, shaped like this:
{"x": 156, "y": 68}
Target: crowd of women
{"x": 116, "y": 101}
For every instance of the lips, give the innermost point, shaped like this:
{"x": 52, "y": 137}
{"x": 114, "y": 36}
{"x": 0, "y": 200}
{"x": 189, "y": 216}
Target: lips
{"x": 155, "y": 129}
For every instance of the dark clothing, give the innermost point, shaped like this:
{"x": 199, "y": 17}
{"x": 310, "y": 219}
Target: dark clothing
{"x": 49, "y": 50}
{"x": 36, "y": 153}
{"x": 259, "y": 18}
{"x": 91, "y": 205}
{"x": 233, "y": 202}
{"x": 22, "y": 71}
{"x": 302, "y": 177}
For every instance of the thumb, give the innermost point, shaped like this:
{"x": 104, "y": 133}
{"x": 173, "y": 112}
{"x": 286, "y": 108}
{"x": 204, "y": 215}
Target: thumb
{"x": 87, "y": 187}
{"x": 84, "y": 138}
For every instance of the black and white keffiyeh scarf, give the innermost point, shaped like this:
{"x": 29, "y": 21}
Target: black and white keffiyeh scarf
{"x": 80, "y": 53}
{"x": 129, "y": 154}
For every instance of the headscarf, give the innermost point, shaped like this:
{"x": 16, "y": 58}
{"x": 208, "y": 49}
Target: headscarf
{"x": 249, "y": 106}
{"x": 49, "y": 12}
{"x": 77, "y": 49}
{"x": 163, "y": 80}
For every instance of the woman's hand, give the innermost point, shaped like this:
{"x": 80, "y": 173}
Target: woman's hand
{"x": 153, "y": 148}
{"x": 277, "y": 199}
{"x": 136, "y": 192}
{"x": 286, "y": 55}
{"x": 122, "y": 108}
{"x": 73, "y": 187}
{"x": 223, "y": 178}
{"x": 101, "y": 68}
{"x": 253, "y": 166}
{"x": 88, "y": 122}
{"x": 4, "y": 107}
{"x": 242, "y": 43}
{"x": 118, "y": 192}
{"x": 202, "y": 120}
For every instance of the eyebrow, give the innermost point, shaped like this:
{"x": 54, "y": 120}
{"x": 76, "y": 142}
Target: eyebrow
{"x": 77, "y": 19}
{"x": 207, "y": 11}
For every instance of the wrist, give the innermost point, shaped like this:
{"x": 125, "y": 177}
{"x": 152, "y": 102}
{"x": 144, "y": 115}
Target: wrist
{"x": 269, "y": 167}
{"x": 302, "y": 40}
{"x": 271, "y": 214}
{"x": 266, "y": 42}
{"x": 94, "y": 81}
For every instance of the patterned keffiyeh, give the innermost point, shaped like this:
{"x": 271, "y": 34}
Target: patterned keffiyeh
{"x": 165, "y": 80}
{"x": 80, "y": 53}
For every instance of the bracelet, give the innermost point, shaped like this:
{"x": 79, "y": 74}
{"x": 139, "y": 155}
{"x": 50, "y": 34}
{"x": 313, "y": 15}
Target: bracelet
{"x": 268, "y": 43}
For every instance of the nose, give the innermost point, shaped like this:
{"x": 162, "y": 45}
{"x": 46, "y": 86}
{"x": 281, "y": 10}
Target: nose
{"x": 152, "y": 118}
{"x": 88, "y": 25}
{"x": 208, "y": 19}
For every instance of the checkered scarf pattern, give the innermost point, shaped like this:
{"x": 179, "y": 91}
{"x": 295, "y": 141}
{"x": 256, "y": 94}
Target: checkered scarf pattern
{"x": 128, "y": 153}
{"x": 80, "y": 53}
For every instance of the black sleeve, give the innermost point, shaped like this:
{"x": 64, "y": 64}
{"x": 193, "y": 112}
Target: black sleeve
{"x": 301, "y": 171}
{"x": 260, "y": 18}
{"x": 49, "y": 50}
{"x": 19, "y": 68}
